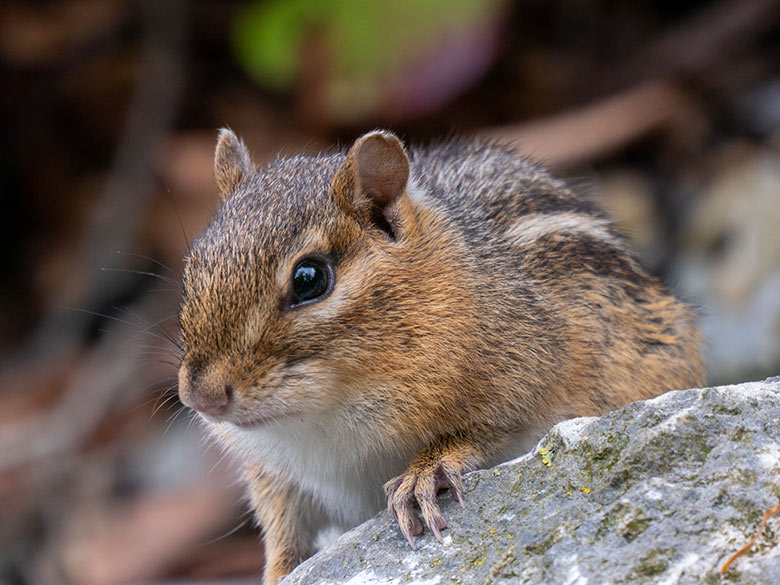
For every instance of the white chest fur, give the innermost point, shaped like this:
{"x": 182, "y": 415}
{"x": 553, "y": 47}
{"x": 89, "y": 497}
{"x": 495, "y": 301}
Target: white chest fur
{"x": 344, "y": 470}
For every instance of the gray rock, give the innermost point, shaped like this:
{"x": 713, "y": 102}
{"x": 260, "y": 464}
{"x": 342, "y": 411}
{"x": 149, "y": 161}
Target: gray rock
{"x": 661, "y": 491}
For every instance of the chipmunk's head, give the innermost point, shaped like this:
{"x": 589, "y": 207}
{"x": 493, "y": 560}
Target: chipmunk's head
{"x": 282, "y": 290}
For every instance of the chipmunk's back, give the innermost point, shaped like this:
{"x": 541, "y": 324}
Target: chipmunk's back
{"x": 555, "y": 252}
{"x": 488, "y": 186}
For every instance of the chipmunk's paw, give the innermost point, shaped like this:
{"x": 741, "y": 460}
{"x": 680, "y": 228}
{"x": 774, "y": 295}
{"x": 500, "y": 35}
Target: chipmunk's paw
{"x": 420, "y": 484}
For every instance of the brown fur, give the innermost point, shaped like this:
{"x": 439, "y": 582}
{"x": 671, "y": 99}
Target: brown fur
{"x": 472, "y": 308}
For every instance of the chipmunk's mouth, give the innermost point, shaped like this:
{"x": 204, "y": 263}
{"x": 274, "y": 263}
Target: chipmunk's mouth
{"x": 253, "y": 423}
{"x": 243, "y": 423}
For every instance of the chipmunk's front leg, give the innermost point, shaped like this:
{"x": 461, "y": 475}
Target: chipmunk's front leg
{"x": 439, "y": 466}
{"x": 288, "y": 520}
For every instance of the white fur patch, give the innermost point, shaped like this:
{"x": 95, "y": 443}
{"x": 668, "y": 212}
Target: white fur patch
{"x": 417, "y": 194}
{"x": 531, "y": 227}
{"x": 343, "y": 470}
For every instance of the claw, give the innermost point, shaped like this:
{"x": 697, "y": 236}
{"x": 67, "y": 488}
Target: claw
{"x": 456, "y": 489}
{"x": 435, "y": 532}
{"x": 400, "y": 499}
{"x": 391, "y": 487}
{"x": 421, "y": 487}
{"x": 409, "y": 523}
{"x": 407, "y": 532}
{"x": 452, "y": 479}
{"x": 436, "y": 523}
{"x": 433, "y": 516}
{"x": 457, "y": 494}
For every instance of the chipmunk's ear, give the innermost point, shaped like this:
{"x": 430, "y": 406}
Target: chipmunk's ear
{"x": 373, "y": 176}
{"x": 232, "y": 163}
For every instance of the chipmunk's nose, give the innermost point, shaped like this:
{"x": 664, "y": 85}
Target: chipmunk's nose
{"x": 207, "y": 396}
{"x": 214, "y": 404}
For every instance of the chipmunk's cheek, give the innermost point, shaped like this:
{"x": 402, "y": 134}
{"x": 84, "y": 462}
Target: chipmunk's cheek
{"x": 314, "y": 386}
{"x": 252, "y": 413}
{"x": 277, "y": 395}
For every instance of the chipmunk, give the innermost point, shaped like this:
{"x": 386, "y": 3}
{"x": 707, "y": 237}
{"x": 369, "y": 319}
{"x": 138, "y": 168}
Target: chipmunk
{"x": 366, "y": 327}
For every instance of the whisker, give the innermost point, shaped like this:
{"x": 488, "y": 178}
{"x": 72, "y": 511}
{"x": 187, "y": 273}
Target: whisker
{"x": 158, "y": 407}
{"x": 149, "y": 258}
{"x": 153, "y": 349}
{"x": 219, "y": 461}
{"x": 143, "y": 273}
{"x": 124, "y": 322}
{"x": 156, "y": 357}
{"x": 178, "y": 217}
{"x": 173, "y": 418}
{"x": 157, "y": 351}
{"x": 168, "y": 388}
{"x": 154, "y": 399}
{"x": 190, "y": 424}
{"x": 148, "y": 329}
{"x": 145, "y": 364}
{"x": 154, "y": 362}
{"x": 127, "y": 310}
{"x": 167, "y": 336}
{"x": 229, "y": 533}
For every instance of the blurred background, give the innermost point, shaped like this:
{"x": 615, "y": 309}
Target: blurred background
{"x": 666, "y": 112}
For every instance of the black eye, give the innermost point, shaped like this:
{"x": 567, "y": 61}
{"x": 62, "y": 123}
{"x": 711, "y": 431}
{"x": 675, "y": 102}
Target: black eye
{"x": 311, "y": 280}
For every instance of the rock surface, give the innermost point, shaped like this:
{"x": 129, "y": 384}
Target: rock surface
{"x": 661, "y": 491}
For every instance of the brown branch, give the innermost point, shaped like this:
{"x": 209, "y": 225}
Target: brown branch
{"x": 767, "y": 515}
{"x": 595, "y": 130}
{"x": 701, "y": 43}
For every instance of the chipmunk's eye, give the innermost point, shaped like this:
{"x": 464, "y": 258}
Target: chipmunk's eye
{"x": 311, "y": 280}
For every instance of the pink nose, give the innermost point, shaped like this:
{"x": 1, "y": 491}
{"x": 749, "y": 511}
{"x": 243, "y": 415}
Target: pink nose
{"x": 211, "y": 403}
